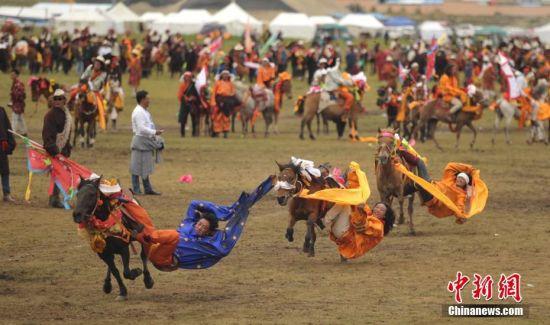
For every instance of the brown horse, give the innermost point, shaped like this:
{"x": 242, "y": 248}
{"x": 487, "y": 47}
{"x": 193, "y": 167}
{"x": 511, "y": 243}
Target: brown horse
{"x": 335, "y": 113}
{"x": 389, "y": 181}
{"x": 437, "y": 110}
{"x": 282, "y": 87}
{"x": 85, "y": 113}
{"x": 290, "y": 182}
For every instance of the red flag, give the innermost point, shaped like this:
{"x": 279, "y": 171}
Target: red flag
{"x": 216, "y": 45}
{"x": 430, "y": 66}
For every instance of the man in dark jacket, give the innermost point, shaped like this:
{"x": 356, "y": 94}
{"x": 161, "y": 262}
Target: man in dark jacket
{"x": 7, "y": 145}
{"x": 56, "y": 134}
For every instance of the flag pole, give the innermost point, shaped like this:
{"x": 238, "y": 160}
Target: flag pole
{"x": 28, "y": 140}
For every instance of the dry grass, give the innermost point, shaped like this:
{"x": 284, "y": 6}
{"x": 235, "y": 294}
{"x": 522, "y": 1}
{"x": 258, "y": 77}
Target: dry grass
{"x": 49, "y": 274}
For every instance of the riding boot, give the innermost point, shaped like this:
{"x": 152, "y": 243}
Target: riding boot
{"x": 225, "y": 134}
{"x": 135, "y": 184}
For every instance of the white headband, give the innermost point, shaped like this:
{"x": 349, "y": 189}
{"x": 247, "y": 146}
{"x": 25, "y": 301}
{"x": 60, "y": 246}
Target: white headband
{"x": 464, "y": 176}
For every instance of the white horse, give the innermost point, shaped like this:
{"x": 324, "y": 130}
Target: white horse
{"x": 249, "y": 106}
{"x": 506, "y": 111}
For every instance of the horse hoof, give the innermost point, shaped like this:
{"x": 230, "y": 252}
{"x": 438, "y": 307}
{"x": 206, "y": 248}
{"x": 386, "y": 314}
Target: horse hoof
{"x": 134, "y": 273}
{"x": 302, "y": 137}
{"x": 149, "y": 282}
{"x": 311, "y": 254}
{"x": 107, "y": 287}
{"x": 412, "y": 232}
{"x": 312, "y": 137}
{"x": 121, "y": 298}
{"x": 289, "y": 236}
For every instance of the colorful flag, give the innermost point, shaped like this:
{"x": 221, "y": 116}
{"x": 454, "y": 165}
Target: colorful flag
{"x": 513, "y": 90}
{"x": 248, "y": 44}
{"x": 430, "y": 66}
{"x": 216, "y": 45}
{"x": 268, "y": 44}
{"x": 202, "y": 79}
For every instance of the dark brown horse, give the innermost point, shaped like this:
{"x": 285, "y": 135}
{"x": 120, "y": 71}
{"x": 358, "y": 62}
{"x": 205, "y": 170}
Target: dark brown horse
{"x": 85, "y": 114}
{"x": 91, "y": 203}
{"x": 437, "y": 110}
{"x": 289, "y": 184}
{"x": 389, "y": 181}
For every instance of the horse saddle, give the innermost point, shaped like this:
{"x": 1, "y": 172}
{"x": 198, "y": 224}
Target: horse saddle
{"x": 259, "y": 93}
{"x": 327, "y": 99}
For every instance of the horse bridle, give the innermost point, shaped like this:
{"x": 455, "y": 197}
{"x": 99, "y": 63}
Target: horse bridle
{"x": 382, "y": 145}
{"x": 91, "y": 214}
{"x": 297, "y": 185}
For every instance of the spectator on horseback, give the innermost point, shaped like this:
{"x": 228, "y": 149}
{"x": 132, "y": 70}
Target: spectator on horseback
{"x": 146, "y": 145}
{"x": 56, "y": 134}
{"x": 17, "y": 104}
{"x": 97, "y": 77}
{"x": 224, "y": 101}
{"x": 449, "y": 89}
{"x": 187, "y": 96}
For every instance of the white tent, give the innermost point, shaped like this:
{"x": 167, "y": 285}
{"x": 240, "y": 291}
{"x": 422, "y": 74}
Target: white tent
{"x": 235, "y": 19}
{"x": 543, "y": 33}
{"x": 57, "y": 9}
{"x": 24, "y": 13}
{"x": 150, "y": 17}
{"x": 431, "y": 29}
{"x": 96, "y": 22}
{"x": 293, "y": 25}
{"x": 124, "y": 17}
{"x": 322, "y": 20}
{"x": 361, "y": 23}
{"x": 187, "y": 21}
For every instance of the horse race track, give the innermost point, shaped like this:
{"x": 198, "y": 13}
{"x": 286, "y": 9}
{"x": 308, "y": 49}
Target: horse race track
{"x": 48, "y": 273}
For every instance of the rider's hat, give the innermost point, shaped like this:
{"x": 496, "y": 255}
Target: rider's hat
{"x": 323, "y": 60}
{"x": 59, "y": 92}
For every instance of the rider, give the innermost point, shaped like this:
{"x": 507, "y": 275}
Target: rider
{"x": 330, "y": 79}
{"x": 96, "y": 77}
{"x": 198, "y": 243}
{"x": 448, "y": 87}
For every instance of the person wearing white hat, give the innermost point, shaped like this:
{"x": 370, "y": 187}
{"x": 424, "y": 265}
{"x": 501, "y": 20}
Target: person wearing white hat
{"x": 56, "y": 134}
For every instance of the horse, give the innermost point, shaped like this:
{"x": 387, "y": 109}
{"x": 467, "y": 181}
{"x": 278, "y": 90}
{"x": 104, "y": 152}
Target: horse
{"x": 85, "y": 113}
{"x": 301, "y": 209}
{"x": 282, "y": 87}
{"x": 436, "y": 110}
{"x": 92, "y": 203}
{"x": 334, "y": 112}
{"x": 251, "y": 106}
{"x": 504, "y": 110}
{"x": 389, "y": 181}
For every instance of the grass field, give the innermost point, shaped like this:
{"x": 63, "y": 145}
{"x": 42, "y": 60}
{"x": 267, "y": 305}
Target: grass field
{"x": 49, "y": 274}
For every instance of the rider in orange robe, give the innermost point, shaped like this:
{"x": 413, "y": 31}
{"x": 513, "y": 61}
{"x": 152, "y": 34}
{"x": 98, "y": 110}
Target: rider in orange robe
{"x": 223, "y": 93}
{"x": 266, "y": 74}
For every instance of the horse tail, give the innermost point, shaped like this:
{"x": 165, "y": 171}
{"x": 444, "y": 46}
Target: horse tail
{"x": 299, "y": 106}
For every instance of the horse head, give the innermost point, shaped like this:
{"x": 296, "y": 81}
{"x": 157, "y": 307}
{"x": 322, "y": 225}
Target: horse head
{"x": 87, "y": 199}
{"x": 386, "y": 145}
{"x": 288, "y": 182}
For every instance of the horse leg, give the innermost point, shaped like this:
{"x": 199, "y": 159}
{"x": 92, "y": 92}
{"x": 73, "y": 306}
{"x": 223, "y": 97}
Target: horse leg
{"x": 147, "y": 279}
{"x": 311, "y": 136}
{"x": 401, "y": 200}
{"x": 471, "y": 127}
{"x": 496, "y": 124}
{"x": 431, "y": 134}
{"x": 290, "y": 229}
{"x": 130, "y": 274}
{"x": 410, "y": 212}
{"x": 110, "y": 261}
{"x": 318, "y": 124}
{"x": 507, "y": 123}
{"x": 302, "y": 129}
{"x": 107, "y": 286}
{"x": 459, "y": 126}
{"x": 312, "y": 235}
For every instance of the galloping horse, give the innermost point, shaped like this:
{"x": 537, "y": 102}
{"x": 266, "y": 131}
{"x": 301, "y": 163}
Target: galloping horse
{"x": 85, "y": 113}
{"x": 301, "y": 209}
{"x": 390, "y": 182}
{"x": 93, "y": 208}
{"x": 437, "y": 110}
{"x": 334, "y": 112}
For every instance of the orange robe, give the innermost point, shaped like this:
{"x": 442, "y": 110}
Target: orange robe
{"x": 355, "y": 244}
{"x": 221, "y": 122}
{"x": 447, "y": 186}
{"x": 161, "y": 248}
{"x": 265, "y": 75}
{"x": 448, "y": 86}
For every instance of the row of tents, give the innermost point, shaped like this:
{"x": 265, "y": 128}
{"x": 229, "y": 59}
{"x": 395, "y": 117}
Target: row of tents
{"x": 99, "y": 18}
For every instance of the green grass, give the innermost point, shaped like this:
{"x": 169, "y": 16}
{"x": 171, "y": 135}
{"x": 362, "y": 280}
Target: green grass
{"x": 50, "y": 274}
